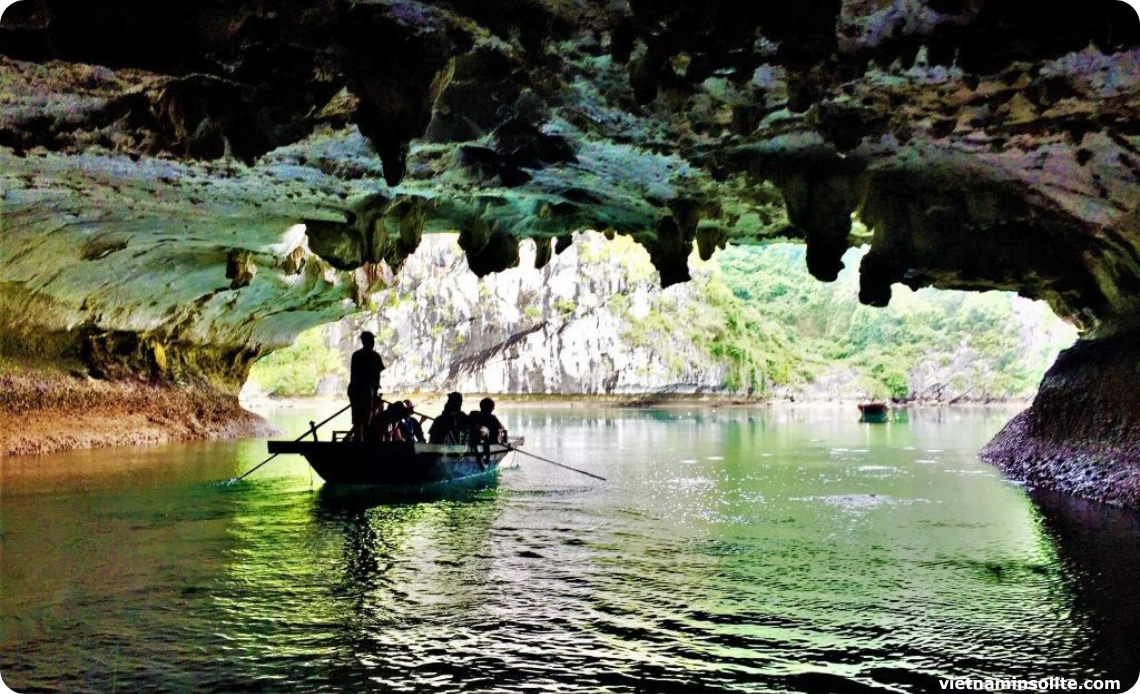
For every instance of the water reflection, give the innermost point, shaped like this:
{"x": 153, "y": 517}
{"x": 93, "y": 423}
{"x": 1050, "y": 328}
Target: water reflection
{"x": 731, "y": 550}
{"x": 379, "y": 532}
{"x": 1099, "y": 552}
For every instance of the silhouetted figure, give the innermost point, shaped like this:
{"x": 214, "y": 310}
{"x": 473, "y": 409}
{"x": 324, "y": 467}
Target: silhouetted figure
{"x": 450, "y": 426}
{"x": 413, "y": 430}
{"x": 393, "y": 417}
{"x": 376, "y": 429}
{"x": 386, "y": 423}
{"x": 364, "y": 384}
{"x": 486, "y": 427}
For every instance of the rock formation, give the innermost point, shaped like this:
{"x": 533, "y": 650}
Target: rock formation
{"x": 153, "y": 154}
{"x": 595, "y": 321}
{"x": 565, "y": 329}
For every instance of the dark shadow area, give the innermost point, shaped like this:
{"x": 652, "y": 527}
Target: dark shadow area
{"x": 334, "y": 502}
{"x": 1099, "y": 549}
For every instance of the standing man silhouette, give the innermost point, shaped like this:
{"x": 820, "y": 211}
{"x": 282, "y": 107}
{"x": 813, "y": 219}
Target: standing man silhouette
{"x": 364, "y": 384}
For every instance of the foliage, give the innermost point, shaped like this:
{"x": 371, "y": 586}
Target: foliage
{"x": 296, "y": 371}
{"x": 991, "y": 344}
{"x": 565, "y": 306}
{"x": 757, "y": 315}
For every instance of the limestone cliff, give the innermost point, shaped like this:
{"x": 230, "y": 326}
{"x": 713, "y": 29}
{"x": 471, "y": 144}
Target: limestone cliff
{"x": 751, "y": 324}
{"x": 568, "y": 328}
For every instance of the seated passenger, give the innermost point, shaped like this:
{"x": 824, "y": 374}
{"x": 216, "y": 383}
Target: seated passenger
{"x": 393, "y": 418}
{"x": 385, "y": 424}
{"x": 484, "y": 426}
{"x": 375, "y": 430}
{"x": 450, "y": 426}
{"x": 409, "y": 427}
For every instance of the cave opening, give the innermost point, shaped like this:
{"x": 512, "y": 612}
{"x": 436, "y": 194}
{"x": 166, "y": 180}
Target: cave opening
{"x": 806, "y": 413}
{"x": 758, "y": 327}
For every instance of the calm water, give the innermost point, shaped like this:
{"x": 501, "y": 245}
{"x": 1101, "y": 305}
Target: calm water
{"x": 739, "y": 550}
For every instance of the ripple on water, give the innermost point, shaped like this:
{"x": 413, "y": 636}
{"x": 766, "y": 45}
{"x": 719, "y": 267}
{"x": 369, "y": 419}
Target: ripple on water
{"x": 779, "y": 568}
{"x": 857, "y": 503}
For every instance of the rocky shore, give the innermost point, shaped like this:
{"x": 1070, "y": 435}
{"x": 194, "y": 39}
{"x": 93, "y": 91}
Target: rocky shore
{"x": 1082, "y": 433}
{"x": 46, "y": 412}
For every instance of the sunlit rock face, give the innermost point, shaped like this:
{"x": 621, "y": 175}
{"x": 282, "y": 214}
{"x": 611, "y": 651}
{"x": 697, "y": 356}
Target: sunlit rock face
{"x": 156, "y": 156}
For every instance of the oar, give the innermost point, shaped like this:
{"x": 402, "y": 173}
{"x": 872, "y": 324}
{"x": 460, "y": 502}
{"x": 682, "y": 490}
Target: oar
{"x": 312, "y": 428}
{"x": 532, "y": 455}
{"x": 553, "y": 462}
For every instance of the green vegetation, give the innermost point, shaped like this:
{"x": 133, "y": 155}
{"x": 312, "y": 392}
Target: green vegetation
{"x": 755, "y": 313}
{"x": 565, "y": 307}
{"x": 758, "y": 312}
{"x": 296, "y": 370}
{"x": 781, "y": 327}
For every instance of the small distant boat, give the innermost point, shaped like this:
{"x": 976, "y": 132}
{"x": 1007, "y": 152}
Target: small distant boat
{"x": 874, "y": 411}
{"x": 397, "y": 466}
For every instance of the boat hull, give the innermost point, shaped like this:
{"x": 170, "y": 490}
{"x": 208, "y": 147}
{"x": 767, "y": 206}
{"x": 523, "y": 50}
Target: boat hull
{"x": 874, "y": 412}
{"x": 400, "y": 466}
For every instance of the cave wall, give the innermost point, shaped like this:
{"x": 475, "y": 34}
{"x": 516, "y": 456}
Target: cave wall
{"x": 113, "y": 277}
{"x": 987, "y": 144}
{"x": 155, "y": 159}
{"x": 1081, "y": 434}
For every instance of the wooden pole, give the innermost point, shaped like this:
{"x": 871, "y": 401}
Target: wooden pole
{"x": 312, "y": 430}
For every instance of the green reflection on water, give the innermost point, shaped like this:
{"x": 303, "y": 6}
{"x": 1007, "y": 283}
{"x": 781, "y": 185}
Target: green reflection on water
{"x": 732, "y": 549}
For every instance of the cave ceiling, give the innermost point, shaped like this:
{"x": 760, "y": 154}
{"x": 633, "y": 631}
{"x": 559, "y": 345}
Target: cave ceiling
{"x": 157, "y": 159}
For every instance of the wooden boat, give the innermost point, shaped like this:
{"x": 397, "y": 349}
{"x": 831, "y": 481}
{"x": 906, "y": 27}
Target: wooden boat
{"x": 874, "y": 411}
{"x": 400, "y": 466}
